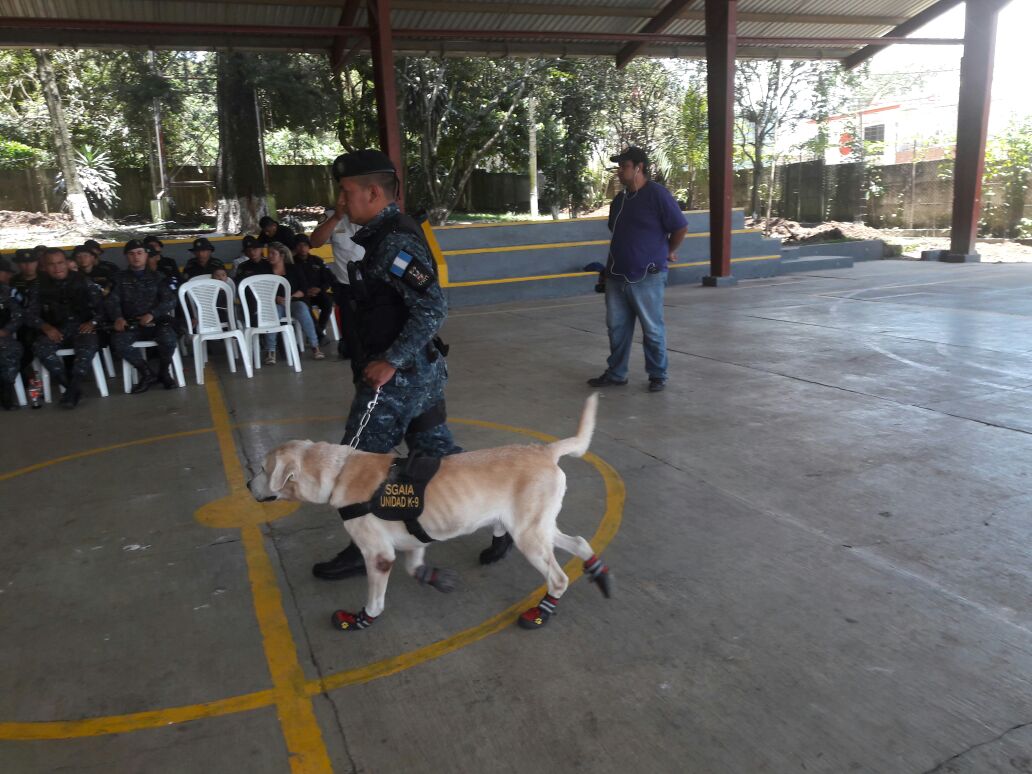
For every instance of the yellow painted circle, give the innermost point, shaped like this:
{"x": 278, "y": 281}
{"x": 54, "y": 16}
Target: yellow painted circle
{"x": 116, "y": 724}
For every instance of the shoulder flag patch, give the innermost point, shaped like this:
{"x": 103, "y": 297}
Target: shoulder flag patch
{"x": 411, "y": 271}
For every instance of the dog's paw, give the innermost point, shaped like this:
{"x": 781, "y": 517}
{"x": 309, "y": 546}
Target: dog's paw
{"x": 444, "y": 581}
{"x": 348, "y": 622}
{"x": 537, "y": 616}
{"x": 599, "y": 574}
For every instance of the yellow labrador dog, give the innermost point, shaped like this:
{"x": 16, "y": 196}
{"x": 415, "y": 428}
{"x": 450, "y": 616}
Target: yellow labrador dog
{"x": 516, "y": 488}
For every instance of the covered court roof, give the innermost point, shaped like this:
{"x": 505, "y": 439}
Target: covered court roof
{"x": 830, "y": 29}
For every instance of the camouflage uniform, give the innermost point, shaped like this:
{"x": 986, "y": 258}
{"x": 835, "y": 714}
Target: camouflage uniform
{"x": 27, "y": 335}
{"x": 418, "y": 384}
{"x": 134, "y": 294}
{"x": 65, "y": 304}
{"x": 10, "y": 348}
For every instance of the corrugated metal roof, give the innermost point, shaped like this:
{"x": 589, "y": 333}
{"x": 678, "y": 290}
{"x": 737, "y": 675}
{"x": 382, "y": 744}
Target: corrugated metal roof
{"x": 758, "y": 18}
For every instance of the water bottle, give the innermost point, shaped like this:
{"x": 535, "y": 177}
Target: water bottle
{"x": 35, "y": 391}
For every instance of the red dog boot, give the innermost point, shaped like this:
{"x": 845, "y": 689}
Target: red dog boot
{"x": 347, "y": 622}
{"x": 538, "y": 616}
{"x": 599, "y": 573}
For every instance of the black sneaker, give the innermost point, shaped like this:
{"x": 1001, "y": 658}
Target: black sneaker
{"x": 147, "y": 380}
{"x": 347, "y": 564}
{"x": 605, "y": 380}
{"x": 657, "y": 385}
{"x": 167, "y": 380}
{"x": 71, "y": 396}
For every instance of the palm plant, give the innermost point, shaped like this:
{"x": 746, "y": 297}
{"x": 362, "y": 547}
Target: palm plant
{"x": 97, "y": 177}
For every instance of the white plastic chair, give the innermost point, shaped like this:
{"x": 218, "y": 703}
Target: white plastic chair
{"x": 200, "y": 300}
{"x": 109, "y": 362}
{"x": 19, "y": 391}
{"x": 130, "y": 376}
{"x": 98, "y": 374}
{"x": 265, "y": 288}
{"x": 300, "y": 336}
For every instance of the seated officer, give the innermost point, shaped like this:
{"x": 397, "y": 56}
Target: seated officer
{"x": 94, "y": 246}
{"x": 10, "y": 348}
{"x": 255, "y": 263}
{"x": 86, "y": 260}
{"x": 318, "y": 278}
{"x": 166, "y": 265}
{"x": 142, "y": 306}
{"x": 271, "y": 231}
{"x": 27, "y": 264}
{"x": 202, "y": 262}
{"x": 66, "y": 308}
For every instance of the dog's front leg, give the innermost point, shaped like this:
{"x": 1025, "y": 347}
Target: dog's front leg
{"x": 436, "y": 577}
{"x": 378, "y": 569}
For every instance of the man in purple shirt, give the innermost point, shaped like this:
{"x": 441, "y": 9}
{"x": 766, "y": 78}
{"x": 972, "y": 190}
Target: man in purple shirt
{"x": 647, "y": 227}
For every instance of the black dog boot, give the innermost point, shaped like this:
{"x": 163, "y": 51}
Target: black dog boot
{"x": 347, "y": 564}
{"x": 537, "y": 616}
{"x": 598, "y": 573}
{"x": 147, "y": 380}
{"x": 443, "y": 580}
{"x": 500, "y": 546}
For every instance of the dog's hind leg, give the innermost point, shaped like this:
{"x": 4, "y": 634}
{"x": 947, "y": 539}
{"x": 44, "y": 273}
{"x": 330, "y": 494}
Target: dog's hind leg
{"x": 436, "y": 577}
{"x": 541, "y": 555}
{"x": 597, "y": 572}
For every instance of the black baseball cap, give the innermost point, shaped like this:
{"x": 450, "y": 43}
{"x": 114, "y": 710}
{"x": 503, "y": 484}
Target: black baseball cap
{"x": 6, "y": 265}
{"x": 266, "y": 221}
{"x": 201, "y": 243}
{"x": 362, "y": 162}
{"x": 92, "y": 244}
{"x": 249, "y": 242}
{"x": 631, "y": 153}
{"x": 133, "y": 244}
{"x": 81, "y": 249}
{"x": 25, "y": 255}
{"x": 299, "y": 238}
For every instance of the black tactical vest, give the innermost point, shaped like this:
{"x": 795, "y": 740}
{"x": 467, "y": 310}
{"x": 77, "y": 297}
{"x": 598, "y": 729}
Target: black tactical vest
{"x": 61, "y": 301}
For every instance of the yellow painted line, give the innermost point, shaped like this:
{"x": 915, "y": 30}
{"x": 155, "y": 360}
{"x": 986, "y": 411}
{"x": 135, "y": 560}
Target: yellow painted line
{"x": 550, "y": 221}
{"x": 270, "y": 611}
{"x": 733, "y": 260}
{"x": 435, "y": 250}
{"x": 294, "y": 708}
{"x": 136, "y": 721}
{"x": 556, "y": 245}
{"x": 101, "y": 450}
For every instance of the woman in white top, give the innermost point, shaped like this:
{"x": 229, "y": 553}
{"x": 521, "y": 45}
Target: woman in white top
{"x": 338, "y": 229}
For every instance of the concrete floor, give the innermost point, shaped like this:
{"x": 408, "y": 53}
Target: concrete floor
{"x": 822, "y": 566}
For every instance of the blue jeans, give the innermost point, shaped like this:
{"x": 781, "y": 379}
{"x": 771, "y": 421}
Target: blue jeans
{"x": 643, "y": 300}
{"x": 301, "y": 312}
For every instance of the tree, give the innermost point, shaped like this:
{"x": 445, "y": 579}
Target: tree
{"x": 457, "y": 113}
{"x": 1008, "y": 174}
{"x": 768, "y": 95}
{"x": 240, "y": 186}
{"x": 687, "y": 146}
{"x": 75, "y": 199}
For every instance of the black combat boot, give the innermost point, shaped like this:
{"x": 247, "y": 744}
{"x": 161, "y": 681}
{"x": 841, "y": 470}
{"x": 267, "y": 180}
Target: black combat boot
{"x": 8, "y": 399}
{"x": 147, "y": 380}
{"x": 500, "y": 546}
{"x": 72, "y": 394}
{"x": 347, "y": 564}
{"x": 168, "y": 381}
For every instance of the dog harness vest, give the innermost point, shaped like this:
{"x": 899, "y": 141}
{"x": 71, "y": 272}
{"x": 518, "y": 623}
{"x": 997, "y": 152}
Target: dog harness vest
{"x": 401, "y": 496}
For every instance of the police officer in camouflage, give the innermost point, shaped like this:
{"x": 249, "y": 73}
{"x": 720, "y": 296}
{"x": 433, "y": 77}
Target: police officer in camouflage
{"x": 141, "y": 306}
{"x": 10, "y": 347}
{"x": 66, "y": 308}
{"x": 398, "y": 308}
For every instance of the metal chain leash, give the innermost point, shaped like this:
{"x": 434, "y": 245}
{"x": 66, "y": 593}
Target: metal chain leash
{"x": 365, "y": 418}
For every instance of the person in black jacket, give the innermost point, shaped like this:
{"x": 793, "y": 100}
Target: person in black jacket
{"x": 66, "y": 308}
{"x": 255, "y": 263}
{"x": 166, "y": 265}
{"x": 11, "y": 314}
{"x": 318, "y": 277}
{"x": 88, "y": 265}
{"x": 203, "y": 262}
{"x": 281, "y": 263}
{"x": 142, "y": 307}
{"x": 271, "y": 231}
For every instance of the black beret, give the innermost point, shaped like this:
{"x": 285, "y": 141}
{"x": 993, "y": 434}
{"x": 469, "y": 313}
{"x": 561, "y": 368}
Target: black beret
{"x": 25, "y": 255}
{"x": 133, "y": 244}
{"x": 362, "y": 162}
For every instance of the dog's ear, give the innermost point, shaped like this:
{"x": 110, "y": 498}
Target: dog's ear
{"x": 282, "y": 471}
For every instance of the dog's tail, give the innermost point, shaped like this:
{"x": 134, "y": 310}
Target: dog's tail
{"x": 578, "y": 445}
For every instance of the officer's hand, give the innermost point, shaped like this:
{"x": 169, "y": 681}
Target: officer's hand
{"x": 672, "y": 257}
{"x": 52, "y": 333}
{"x": 146, "y": 319}
{"x": 313, "y": 292}
{"x": 87, "y": 327}
{"x": 120, "y": 324}
{"x": 378, "y": 373}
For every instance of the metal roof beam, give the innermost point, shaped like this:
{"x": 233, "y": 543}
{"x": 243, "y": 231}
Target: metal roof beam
{"x": 340, "y": 53}
{"x": 912, "y": 24}
{"x": 658, "y": 23}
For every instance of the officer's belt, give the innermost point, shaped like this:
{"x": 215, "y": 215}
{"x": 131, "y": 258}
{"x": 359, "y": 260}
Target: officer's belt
{"x": 401, "y": 496}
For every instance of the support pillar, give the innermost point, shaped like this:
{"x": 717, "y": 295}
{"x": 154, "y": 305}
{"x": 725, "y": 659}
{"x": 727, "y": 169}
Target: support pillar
{"x": 382, "y": 45}
{"x": 976, "y": 85}
{"x": 721, "y": 43}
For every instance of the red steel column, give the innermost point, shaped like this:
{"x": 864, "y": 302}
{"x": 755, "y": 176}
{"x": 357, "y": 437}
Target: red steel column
{"x": 976, "y": 85}
{"x": 721, "y": 25}
{"x": 386, "y": 91}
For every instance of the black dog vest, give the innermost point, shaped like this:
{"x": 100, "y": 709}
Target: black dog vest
{"x": 401, "y": 497}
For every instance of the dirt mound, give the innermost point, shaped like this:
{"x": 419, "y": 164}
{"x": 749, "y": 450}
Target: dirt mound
{"x": 18, "y": 219}
{"x": 793, "y": 233}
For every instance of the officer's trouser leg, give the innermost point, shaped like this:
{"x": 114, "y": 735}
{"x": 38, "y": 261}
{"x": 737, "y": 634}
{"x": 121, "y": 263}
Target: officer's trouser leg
{"x": 46, "y": 352}
{"x": 10, "y": 359}
{"x": 86, "y": 346}
{"x": 167, "y": 340}
{"x": 122, "y": 345}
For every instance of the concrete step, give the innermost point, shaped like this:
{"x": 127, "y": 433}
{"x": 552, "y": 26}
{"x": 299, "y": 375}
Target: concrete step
{"x": 816, "y": 263}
